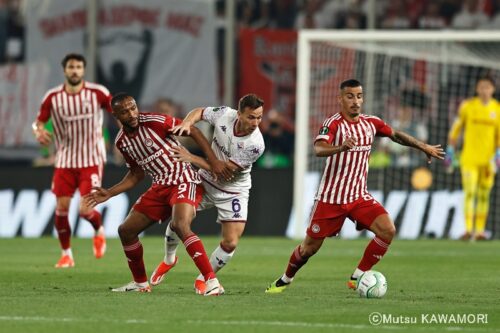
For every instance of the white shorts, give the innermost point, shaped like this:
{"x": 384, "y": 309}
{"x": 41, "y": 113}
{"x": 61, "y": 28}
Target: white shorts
{"x": 230, "y": 206}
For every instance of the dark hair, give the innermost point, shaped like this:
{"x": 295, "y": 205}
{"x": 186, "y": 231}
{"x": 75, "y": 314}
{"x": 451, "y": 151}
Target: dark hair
{"x": 351, "y": 83}
{"x": 251, "y": 101}
{"x": 119, "y": 97}
{"x": 486, "y": 78}
{"x": 73, "y": 56}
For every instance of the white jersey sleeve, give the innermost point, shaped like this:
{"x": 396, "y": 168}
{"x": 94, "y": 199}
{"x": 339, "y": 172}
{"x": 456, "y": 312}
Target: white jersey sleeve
{"x": 212, "y": 114}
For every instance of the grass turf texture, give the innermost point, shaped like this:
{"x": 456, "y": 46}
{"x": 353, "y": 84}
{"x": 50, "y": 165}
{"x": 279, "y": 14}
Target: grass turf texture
{"x": 424, "y": 277}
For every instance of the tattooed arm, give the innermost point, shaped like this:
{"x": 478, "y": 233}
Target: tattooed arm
{"x": 431, "y": 151}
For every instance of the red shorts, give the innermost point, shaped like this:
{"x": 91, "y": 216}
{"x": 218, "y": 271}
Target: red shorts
{"x": 327, "y": 219}
{"x": 67, "y": 180}
{"x": 157, "y": 202}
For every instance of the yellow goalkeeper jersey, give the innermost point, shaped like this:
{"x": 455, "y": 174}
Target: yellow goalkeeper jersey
{"x": 481, "y": 125}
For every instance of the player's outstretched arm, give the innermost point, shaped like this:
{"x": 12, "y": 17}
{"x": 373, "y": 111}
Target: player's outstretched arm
{"x": 219, "y": 168}
{"x": 192, "y": 118}
{"x": 431, "y": 151}
{"x": 324, "y": 149}
{"x": 99, "y": 194}
{"x": 41, "y": 134}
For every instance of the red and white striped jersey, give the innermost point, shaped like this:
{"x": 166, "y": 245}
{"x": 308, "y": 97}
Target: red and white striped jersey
{"x": 150, "y": 148}
{"x": 345, "y": 173}
{"x": 77, "y": 120}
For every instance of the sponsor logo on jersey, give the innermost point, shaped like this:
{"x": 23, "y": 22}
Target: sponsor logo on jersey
{"x": 223, "y": 128}
{"x": 217, "y": 109}
{"x": 256, "y": 151}
{"x": 157, "y": 154}
{"x": 323, "y": 130}
{"x": 221, "y": 148}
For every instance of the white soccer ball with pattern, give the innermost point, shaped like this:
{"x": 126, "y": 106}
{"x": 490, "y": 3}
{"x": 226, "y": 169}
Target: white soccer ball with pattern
{"x": 372, "y": 284}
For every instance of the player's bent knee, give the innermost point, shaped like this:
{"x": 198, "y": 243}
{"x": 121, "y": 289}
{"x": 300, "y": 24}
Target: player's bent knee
{"x": 229, "y": 245}
{"x": 388, "y": 232}
{"x": 125, "y": 232}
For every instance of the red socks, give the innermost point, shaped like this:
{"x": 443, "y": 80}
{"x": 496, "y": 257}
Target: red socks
{"x": 196, "y": 251}
{"x": 295, "y": 263}
{"x": 95, "y": 218}
{"x": 134, "y": 252}
{"x": 373, "y": 253}
{"x": 63, "y": 229}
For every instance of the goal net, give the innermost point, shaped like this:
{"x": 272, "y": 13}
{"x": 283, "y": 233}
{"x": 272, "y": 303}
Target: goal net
{"x": 415, "y": 82}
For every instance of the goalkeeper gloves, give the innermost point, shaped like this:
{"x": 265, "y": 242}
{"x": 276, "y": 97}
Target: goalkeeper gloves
{"x": 448, "y": 159}
{"x": 497, "y": 158}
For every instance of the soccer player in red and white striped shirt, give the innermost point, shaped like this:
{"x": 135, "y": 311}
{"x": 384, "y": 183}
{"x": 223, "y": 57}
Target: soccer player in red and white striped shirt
{"x": 346, "y": 139}
{"x": 146, "y": 142}
{"x": 76, "y": 111}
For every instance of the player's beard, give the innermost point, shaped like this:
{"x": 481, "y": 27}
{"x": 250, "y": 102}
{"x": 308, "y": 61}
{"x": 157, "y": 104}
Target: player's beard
{"x": 74, "y": 80}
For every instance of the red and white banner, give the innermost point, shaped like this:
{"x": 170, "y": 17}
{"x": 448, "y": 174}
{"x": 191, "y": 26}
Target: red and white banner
{"x": 268, "y": 61}
{"x": 150, "y": 49}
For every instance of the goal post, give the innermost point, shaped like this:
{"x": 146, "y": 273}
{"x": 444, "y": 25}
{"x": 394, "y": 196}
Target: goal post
{"x": 427, "y": 72}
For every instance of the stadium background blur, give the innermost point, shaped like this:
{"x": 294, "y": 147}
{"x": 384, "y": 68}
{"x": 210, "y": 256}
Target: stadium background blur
{"x": 173, "y": 55}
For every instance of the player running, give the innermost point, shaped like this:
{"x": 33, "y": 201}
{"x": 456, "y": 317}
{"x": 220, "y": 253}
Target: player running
{"x": 346, "y": 139}
{"x": 237, "y": 141}
{"x": 146, "y": 142}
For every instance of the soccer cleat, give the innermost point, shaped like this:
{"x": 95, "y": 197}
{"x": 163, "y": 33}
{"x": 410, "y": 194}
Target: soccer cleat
{"x": 200, "y": 287}
{"x": 465, "y": 237}
{"x": 480, "y": 237}
{"x": 213, "y": 288}
{"x": 160, "y": 271}
{"x": 99, "y": 245}
{"x": 276, "y": 287}
{"x": 65, "y": 262}
{"x": 134, "y": 286}
{"x": 352, "y": 284}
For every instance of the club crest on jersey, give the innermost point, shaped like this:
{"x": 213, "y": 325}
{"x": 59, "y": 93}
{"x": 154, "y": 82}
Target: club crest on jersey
{"x": 323, "y": 131}
{"x": 148, "y": 142}
{"x": 315, "y": 228}
{"x": 240, "y": 145}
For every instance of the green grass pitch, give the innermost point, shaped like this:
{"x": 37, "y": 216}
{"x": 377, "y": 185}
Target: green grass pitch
{"x": 425, "y": 278}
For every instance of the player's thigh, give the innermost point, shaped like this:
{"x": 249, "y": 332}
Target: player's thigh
{"x": 88, "y": 178}
{"x": 326, "y": 220}
{"x": 366, "y": 210}
{"x": 154, "y": 204}
{"x": 64, "y": 182}
{"x": 63, "y": 203}
{"x": 487, "y": 177}
{"x": 470, "y": 178}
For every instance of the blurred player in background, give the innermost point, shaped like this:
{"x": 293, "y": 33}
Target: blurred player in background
{"x": 238, "y": 142}
{"x": 479, "y": 117}
{"x": 146, "y": 142}
{"x": 76, "y": 111}
{"x": 346, "y": 139}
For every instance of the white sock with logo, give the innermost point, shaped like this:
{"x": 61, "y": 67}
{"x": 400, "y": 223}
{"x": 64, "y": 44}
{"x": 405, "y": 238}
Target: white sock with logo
{"x": 171, "y": 243}
{"x": 220, "y": 258}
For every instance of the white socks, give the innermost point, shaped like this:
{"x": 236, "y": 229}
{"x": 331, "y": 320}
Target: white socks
{"x": 67, "y": 252}
{"x": 357, "y": 273}
{"x": 218, "y": 259}
{"x": 171, "y": 243}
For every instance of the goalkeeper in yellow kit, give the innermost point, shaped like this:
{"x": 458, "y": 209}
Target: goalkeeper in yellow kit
{"x": 480, "y": 118}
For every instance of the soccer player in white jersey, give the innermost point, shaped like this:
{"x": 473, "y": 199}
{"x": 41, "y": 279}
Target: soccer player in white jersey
{"x": 146, "y": 143}
{"x": 346, "y": 139}
{"x": 238, "y": 141}
{"x": 76, "y": 111}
